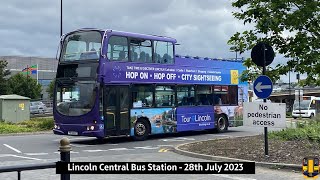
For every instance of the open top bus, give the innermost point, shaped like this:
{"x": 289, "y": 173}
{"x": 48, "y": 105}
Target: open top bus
{"x": 113, "y": 83}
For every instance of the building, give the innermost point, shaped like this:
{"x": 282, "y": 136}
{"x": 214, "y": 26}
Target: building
{"x": 46, "y": 69}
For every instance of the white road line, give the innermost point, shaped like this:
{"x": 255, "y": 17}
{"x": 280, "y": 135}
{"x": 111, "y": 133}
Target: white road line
{"x": 77, "y": 138}
{"x": 119, "y": 149}
{"x": 72, "y": 152}
{"x": 5, "y": 155}
{"x": 146, "y": 147}
{"x": 178, "y": 139}
{"x": 232, "y": 177}
{"x": 26, "y": 157}
{"x": 36, "y": 154}
{"x": 166, "y": 145}
{"x": 95, "y": 150}
{"x": 12, "y": 148}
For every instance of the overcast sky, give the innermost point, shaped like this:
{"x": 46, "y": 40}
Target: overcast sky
{"x": 202, "y": 27}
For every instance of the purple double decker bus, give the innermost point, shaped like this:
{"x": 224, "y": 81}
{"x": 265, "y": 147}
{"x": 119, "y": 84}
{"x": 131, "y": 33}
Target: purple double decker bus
{"x": 112, "y": 83}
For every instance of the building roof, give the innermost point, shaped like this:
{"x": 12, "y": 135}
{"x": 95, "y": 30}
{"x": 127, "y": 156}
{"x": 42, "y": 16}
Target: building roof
{"x": 14, "y": 96}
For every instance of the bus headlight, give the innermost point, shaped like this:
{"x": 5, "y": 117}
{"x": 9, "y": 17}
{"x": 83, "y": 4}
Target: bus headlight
{"x": 90, "y": 128}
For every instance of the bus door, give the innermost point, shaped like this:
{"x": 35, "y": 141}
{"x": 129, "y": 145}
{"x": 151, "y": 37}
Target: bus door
{"x": 116, "y": 103}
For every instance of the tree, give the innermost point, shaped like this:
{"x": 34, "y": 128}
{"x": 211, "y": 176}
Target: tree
{"x": 24, "y": 86}
{"x": 50, "y": 88}
{"x": 292, "y": 27}
{"x": 4, "y": 89}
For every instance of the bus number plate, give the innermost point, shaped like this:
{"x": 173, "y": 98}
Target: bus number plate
{"x": 74, "y": 133}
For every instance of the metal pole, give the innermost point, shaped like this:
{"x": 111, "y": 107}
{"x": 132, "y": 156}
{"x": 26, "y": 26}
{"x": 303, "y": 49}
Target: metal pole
{"x": 289, "y": 92}
{"x": 19, "y": 175}
{"x": 299, "y": 96}
{"x": 265, "y": 100}
{"x": 65, "y": 149}
{"x": 60, "y": 18}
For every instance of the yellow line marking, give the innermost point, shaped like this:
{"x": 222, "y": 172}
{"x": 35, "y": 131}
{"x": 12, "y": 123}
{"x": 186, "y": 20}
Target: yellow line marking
{"x": 164, "y": 150}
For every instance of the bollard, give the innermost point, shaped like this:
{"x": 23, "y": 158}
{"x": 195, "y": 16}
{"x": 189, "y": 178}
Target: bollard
{"x": 65, "y": 149}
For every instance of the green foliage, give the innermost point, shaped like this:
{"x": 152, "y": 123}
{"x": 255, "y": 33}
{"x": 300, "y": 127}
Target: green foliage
{"x": 4, "y": 89}
{"x": 308, "y": 130}
{"x": 50, "y": 89}
{"x": 24, "y": 86}
{"x": 32, "y": 125}
{"x": 290, "y": 26}
{"x": 254, "y": 71}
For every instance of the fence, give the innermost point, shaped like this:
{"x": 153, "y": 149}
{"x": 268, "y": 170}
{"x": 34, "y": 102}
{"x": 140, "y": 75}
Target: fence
{"x": 64, "y": 149}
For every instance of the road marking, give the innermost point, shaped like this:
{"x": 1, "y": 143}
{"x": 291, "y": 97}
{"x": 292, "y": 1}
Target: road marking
{"x": 76, "y": 138}
{"x": 164, "y": 150}
{"x": 178, "y": 139}
{"x": 166, "y": 145}
{"x": 26, "y": 157}
{"x": 146, "y": 147}
{"x": 12, "y": 148}
{"x": 71, "y": 152}
{"x": 232, "y": 177}
{"x": 36, "y": 154}
{"x": 95, "y": 150}
{"x": 119, "y": 149}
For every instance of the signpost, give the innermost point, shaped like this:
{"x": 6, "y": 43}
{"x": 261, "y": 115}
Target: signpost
{"x": 264, "y": 115}
{"x": 262, "y": 55}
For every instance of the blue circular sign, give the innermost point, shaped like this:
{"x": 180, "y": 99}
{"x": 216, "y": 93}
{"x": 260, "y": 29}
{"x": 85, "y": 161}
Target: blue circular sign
{"x": 262, "y": 87}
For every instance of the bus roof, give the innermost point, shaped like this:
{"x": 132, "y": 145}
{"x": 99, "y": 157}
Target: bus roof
{"x": 130, "y": 34}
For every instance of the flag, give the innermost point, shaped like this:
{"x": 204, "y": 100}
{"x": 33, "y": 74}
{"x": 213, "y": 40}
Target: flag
{"x": 33, "y": 69}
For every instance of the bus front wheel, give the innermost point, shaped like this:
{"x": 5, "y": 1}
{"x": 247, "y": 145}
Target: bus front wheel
{"x": 222, "y": 123}
{"x": 141, "y": 130}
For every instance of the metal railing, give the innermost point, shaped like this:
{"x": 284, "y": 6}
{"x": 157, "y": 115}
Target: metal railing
{"x": 64, "y": 149}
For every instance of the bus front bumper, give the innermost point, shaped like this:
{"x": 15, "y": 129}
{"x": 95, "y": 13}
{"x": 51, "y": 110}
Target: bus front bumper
{"x": 79, "y": 130}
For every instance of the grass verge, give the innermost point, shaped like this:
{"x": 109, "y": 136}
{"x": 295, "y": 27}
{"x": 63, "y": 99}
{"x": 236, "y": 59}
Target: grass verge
{"x": 306, "y": 130}
{"x": 32, "y": 125}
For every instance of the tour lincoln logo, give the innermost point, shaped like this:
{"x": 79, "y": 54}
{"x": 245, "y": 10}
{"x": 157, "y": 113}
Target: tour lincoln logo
{"x": 310, "y": 167}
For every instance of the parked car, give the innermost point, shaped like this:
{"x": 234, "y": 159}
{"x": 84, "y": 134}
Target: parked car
{"x": 37, "y": 107}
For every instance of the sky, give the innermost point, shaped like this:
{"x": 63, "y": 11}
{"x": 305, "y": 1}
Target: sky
{"x": 201, "y": 27}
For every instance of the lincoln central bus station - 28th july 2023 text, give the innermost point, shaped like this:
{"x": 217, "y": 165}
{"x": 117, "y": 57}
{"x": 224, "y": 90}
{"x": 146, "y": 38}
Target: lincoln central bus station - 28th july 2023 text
{"x": 156, "y": 167}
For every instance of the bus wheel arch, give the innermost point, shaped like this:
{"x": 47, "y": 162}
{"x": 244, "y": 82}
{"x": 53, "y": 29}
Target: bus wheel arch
{"x": 142, "y": 129}
{"x": 222, "y": 122}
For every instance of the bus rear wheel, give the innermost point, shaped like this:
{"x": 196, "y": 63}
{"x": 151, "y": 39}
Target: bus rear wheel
{"x": 222, "y": 123}
{"x": 141, "y": 130}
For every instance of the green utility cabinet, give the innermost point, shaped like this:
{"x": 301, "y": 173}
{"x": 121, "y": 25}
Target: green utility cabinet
{"x": 14, "y": 108}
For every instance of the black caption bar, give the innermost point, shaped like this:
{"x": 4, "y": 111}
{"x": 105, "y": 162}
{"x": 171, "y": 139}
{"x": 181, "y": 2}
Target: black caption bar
{"x": 155, "y": 168}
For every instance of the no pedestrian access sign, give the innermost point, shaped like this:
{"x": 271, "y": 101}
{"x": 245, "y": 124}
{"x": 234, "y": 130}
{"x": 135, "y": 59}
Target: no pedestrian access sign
{"x": 264, "y": 114}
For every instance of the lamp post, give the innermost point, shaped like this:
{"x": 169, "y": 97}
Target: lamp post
{"x": 60, "y": 18}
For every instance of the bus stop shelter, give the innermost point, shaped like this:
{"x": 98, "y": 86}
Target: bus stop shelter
{"x": 14, "y": 108}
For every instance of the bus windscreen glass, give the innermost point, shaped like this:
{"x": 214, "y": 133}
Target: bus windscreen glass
{"x": 81, "y": 46}
{"x": 75, "y": 99}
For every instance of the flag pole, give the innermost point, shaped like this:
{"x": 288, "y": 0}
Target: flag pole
{"x": 37, "y": 73}
{"x": 27, "y": 71}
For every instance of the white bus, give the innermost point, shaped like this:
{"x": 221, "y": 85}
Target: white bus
{"x": 309, "y": 107}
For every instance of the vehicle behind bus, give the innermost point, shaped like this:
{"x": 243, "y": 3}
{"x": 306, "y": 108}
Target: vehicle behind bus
{"x": 308, "y": 107}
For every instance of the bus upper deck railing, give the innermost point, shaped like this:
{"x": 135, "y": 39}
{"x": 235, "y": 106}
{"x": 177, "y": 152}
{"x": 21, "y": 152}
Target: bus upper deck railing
{"x": 64, "y": 157}
{"x": 207, "y": 58}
